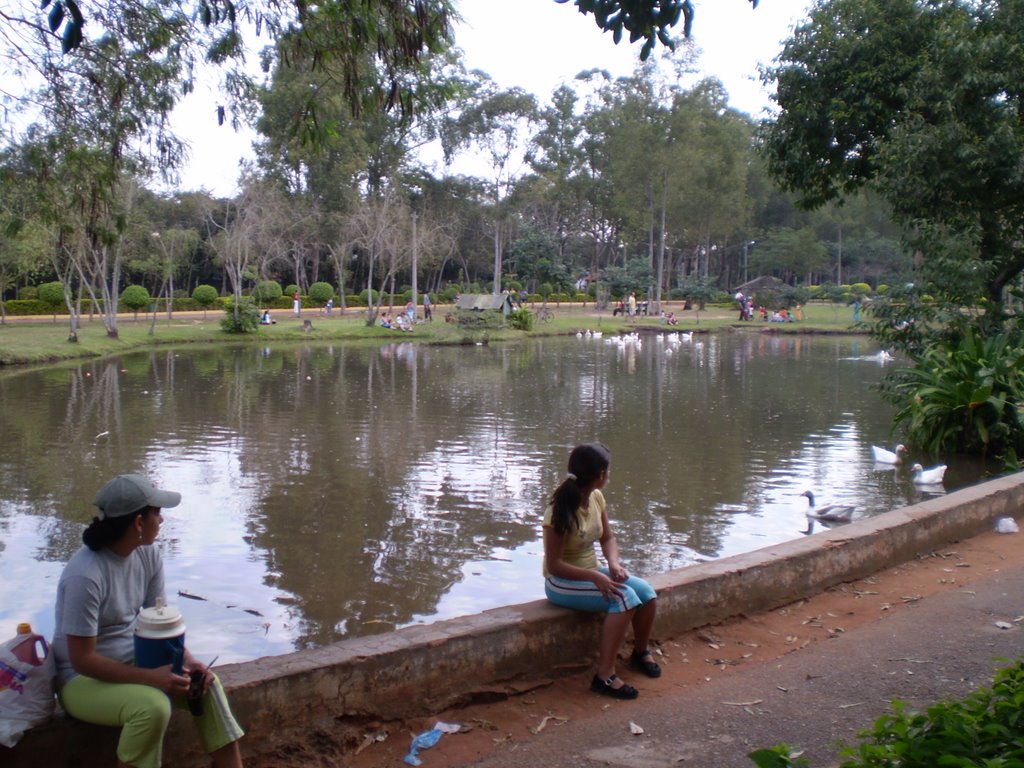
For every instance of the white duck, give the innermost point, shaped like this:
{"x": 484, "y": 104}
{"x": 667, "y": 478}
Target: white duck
{"x": 882, "y": 456}
{"x": 931, "y": 476}
{"x": 836, "y": 513}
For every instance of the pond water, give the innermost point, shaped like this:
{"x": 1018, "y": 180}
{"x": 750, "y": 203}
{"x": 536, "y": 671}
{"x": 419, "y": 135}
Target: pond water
{"x": 338, "y": 491}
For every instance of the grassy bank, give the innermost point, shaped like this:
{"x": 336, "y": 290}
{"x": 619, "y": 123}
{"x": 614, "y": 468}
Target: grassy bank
{"x": 40, "y": 340}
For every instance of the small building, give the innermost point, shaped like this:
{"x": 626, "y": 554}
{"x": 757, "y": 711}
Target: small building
{"x": 485, "y": 302}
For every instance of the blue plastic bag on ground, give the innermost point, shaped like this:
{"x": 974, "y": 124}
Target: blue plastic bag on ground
{"x": 427, "y": 739}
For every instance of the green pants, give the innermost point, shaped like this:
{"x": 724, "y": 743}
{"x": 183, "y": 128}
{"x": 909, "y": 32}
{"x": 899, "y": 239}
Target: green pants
{"x": 143, "y": 713}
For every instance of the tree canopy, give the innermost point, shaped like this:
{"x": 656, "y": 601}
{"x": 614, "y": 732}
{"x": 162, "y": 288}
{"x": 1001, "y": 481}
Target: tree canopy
{"x": 921, "y": 101}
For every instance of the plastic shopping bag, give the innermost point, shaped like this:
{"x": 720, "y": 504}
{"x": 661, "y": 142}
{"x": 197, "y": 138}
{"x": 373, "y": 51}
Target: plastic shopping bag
{"x": 26, "y": 686}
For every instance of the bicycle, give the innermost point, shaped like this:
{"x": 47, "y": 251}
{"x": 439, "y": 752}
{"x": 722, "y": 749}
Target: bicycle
{"x": 545, "y": 315}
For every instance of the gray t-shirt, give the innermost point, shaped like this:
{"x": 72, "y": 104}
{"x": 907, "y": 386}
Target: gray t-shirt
{"x": 99, "y": 595}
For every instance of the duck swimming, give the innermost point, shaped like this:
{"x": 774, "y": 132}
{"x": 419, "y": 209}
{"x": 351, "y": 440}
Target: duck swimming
{"x": 836, "y": 513}
{"x": 883, "y": 456}
{"x": 931, "y": 476}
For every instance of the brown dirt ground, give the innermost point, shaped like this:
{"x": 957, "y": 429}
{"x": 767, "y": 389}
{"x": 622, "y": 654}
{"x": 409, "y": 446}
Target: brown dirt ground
{"x": 696, "y": 657}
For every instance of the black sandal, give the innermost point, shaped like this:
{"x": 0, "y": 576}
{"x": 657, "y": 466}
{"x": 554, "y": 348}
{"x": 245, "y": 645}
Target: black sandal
{"x": 605, "y": 688}
{"x": 644, "y": 661}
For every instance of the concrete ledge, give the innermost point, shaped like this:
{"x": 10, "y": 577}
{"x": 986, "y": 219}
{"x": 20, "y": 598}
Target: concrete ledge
{"x": 316, "y": 702}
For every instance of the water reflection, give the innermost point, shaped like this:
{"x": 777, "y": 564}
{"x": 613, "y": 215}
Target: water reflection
{"x": 335, "y": 491}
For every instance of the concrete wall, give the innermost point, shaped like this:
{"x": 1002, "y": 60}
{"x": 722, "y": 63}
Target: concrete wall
{"x": 318, "y": 701}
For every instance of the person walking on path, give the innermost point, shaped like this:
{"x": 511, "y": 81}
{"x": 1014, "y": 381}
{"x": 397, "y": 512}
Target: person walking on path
{"x": 101, "y": 590}
{"x": 576, "y": 518}
{"x": 428, "y": 315}
{"x": 296, "y": 304}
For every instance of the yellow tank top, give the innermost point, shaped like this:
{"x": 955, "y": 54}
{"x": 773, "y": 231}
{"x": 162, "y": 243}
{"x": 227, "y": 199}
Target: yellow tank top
{"x": 578, "y": 548}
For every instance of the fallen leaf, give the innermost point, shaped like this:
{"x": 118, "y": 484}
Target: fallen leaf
{"x": 635, "y": 729}
{"x": 742, "y": 703}
{"x": 1004, "y": 625}
{"x": 547, "y": 718}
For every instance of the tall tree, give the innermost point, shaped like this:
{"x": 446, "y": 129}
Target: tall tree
{"x": 919, "y": 100}
{"x": 500, "y": 123}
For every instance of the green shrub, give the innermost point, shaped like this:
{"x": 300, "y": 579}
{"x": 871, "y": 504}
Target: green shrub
{"x": 860, "y": 289}
{"x": 521, "y": 320}
{"x": 981, "y": 730}
{"x": 51, "y": 294}
{"x": 25, "y": 307}
{"x": 205, "y": 296}
{"x": 245, "y": 320}
{"x": 545, "y": 290}
{"x": 364, "y": 297}
{"x": 28, "y": 292}
{"x": 135, "y": 297}
{"x": 963, "y": 396}
{"x": 475, "y": 320}
{"x": 291, "y": 289}
{"x": 321, "y": 293}
{"x": 267, "y": 291}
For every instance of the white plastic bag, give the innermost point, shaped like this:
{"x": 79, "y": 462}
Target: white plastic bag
{"x": 26, "y": 688}
{"x": 1007, "y": 525}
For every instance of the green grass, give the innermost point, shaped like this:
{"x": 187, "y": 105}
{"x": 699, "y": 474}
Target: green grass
{"x": 40, "y": 340}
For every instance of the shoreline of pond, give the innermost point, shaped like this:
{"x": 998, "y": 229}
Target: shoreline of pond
{"x": 42, "y": 341}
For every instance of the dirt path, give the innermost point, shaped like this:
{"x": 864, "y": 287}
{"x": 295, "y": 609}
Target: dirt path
{"x": 694, "y": 659}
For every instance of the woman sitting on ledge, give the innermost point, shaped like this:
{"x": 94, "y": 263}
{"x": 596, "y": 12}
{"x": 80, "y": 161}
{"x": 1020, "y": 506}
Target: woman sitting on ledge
{"x": 99, "y": 595}
{"x": 575, "y": 519}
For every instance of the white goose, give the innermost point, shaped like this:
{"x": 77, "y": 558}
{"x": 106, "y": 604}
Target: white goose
{"x": 883, "y": 456}
{"x": 836, "y": 513}
{"x": 931, "y": 476}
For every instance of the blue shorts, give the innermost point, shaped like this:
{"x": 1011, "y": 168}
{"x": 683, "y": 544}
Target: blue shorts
{"x": 585, "y": 596}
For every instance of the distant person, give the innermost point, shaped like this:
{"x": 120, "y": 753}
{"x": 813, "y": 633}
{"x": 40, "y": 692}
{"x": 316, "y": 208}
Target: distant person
{"x": 428, "y": 314}
{"x": 266, "y": 319}
{"x": 385, "y": 320}
{"x": 631, "y": 304}
{"x": 330, "y": 306}
{"x": 101, "y": 590}
{"x": 296, "y": 304}
{"x": 671, "y": 319}
{"x": 576, "y": 518}
{"x": 410, "y": 311}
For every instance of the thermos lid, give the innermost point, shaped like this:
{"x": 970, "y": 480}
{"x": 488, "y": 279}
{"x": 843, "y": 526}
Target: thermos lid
{"x": 160, "y": 622}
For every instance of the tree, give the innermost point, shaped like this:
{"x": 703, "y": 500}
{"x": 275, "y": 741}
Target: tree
{"x": 135, "y": 297}
{"x": 500, "y": 123}
{"x": 51, "y": 294}
{"x": 321, "y": 293}
{"x": 919, "y": 101}
{"x": 205, "y": 296}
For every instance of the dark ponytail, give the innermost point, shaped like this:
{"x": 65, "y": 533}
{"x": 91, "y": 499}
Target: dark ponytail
{"x": 586, "y": 463}
{"x": 102, "y": 532}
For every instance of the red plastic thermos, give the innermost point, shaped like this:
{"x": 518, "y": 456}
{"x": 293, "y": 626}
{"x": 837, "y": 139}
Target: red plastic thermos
{"x": 28, "y": 649}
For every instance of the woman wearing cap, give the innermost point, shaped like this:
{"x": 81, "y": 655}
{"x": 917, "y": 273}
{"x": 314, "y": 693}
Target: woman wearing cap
{"x": 577, "y": 518}
{"x": 101, "y": 590}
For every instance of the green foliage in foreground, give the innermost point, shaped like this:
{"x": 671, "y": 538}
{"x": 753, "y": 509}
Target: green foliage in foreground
{"x": 963, "y": 396}
{"x": 985, "y": 730}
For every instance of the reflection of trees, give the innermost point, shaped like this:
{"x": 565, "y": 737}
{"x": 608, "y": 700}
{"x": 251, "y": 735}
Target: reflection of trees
{"x": 379, "y": 472}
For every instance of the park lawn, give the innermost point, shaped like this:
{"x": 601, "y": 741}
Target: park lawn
{"x": 27, "y": 341}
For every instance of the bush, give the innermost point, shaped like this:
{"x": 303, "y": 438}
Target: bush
{"x": 135, "y": 297}
{"x": 521, "y": 320}
{"x": 25, "y": 307}
{"x": 963, "y": 396}
{"x": 28, "y": 292}
{"x": 545, "y": 290}
{"x": 205, "y": 296}
{"x": 51, "y": 294}
{"x": 449, "y": 293}
{"x": 981, "y": 730}
{"x": 364, "y": 297}
{"x": 291, "y": 289}
{"x": 267, "y": 291}
{"x": 245, "y": 320}
{"x": 475, "y": 320}
{"x": 321, "y": 293}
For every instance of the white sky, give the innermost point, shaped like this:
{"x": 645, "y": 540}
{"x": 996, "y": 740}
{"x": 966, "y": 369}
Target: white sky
{"x": 537, "y": 47}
